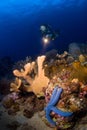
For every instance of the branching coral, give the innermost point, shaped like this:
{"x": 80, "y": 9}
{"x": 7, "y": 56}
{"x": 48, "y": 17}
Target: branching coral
{"x": 25, "y": 73}
{"x": 16, "y": 85}
{"x": 37, "y": 83}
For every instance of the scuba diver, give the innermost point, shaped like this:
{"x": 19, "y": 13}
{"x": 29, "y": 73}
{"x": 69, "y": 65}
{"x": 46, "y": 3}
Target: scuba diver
{"x": 48, "y": 34}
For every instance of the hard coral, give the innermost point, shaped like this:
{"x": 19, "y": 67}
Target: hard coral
{"x": 37, "y": 83}
{"x": 16, "y": 85}
{"x": 53, "y": 66}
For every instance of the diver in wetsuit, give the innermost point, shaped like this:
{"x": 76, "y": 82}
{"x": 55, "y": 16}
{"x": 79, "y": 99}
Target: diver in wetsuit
{"x": 48, "y": 33}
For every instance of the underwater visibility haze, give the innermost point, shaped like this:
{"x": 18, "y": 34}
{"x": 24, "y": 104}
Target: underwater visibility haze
{"x": 43, "y": 64}
{"x": 20, "y": 22}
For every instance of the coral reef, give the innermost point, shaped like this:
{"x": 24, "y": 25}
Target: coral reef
{"x": 82, "y": 58}
{"x": 16, "y": 85}
{"x": 54, "y": 66}
{"x": 72, "y": 100}
{"x": 74, "y": 50}
{"x": 28, "y": 104}
{"x": 51, "y": 106}
{"x": 77, "y": 49}
{"x": 55, "y": 84}
{"x": 20, "y": 64}
{"x": 37, "y": 83}
{"x": 80, "y": 71}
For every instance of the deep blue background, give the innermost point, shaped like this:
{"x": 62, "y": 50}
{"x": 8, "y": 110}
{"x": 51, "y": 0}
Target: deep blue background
{"x": 20, "y": 21}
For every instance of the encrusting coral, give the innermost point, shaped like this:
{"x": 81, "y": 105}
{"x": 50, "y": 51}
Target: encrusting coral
{"x": 37, "y": 83}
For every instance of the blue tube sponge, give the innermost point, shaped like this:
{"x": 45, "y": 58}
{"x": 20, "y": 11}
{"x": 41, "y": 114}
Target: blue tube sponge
{"x": 51, "y": 106}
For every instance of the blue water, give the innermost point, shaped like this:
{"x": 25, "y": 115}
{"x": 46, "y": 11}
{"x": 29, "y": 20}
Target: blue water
{"x": 20, "y": 21}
